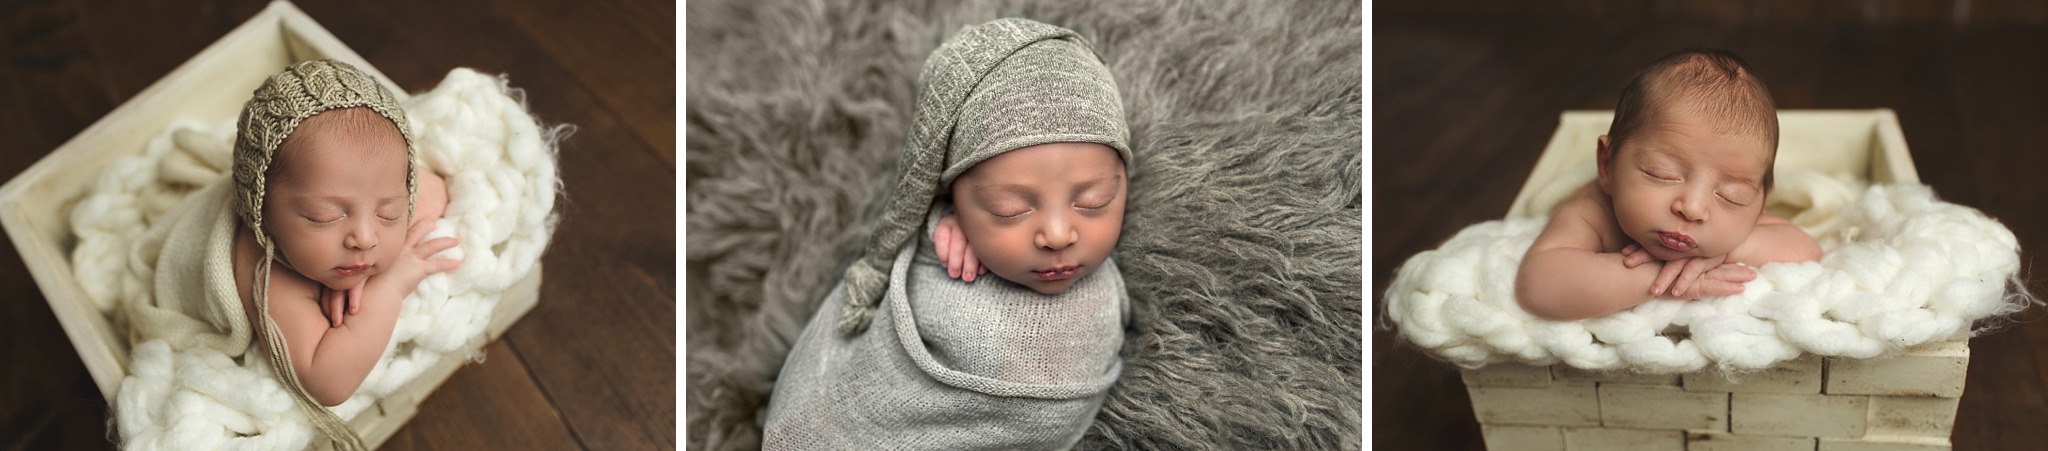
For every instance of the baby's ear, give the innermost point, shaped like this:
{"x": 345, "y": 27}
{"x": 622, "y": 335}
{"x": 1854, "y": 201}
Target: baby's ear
{"x": 1603, "y": 155}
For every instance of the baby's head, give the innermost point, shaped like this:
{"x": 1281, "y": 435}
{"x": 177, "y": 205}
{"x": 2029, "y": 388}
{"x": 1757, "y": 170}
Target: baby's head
{"x": 324, "y": 172}
{"x": 1689, "y": 158}
{"x": 1043, "y": 216}
{"x": 1036, "y": 165}
{"x": 1031, "y": 110}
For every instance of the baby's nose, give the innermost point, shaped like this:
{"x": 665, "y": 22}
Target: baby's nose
{"x": 1056, "y": 237}
{"x": 361, "y": 239}
{"x": 1690, "y": 208}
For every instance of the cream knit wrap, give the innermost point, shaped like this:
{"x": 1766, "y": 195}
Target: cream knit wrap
{"x": 273, "y": 112}
{"x": 995, "y": 87}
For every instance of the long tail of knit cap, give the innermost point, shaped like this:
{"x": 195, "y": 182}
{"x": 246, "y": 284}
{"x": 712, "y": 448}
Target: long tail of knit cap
{"x": 995, "y": 87}
{"x": 273, "y": 112}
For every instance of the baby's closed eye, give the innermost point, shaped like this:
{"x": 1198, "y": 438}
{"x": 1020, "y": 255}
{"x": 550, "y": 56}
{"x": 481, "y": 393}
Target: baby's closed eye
{"x": 1738, "y": 195}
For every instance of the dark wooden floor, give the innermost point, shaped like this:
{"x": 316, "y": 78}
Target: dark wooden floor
{"x": 1462, "y": 106}
{"x": 591, "y": 367}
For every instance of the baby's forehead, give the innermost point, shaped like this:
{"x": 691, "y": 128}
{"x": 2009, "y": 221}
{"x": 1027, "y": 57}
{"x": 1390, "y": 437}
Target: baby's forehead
{"x": 354, "y": 120}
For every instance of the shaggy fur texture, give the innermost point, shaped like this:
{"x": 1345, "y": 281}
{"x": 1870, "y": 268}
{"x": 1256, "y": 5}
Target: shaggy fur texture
{"x": 1241, "y": 241}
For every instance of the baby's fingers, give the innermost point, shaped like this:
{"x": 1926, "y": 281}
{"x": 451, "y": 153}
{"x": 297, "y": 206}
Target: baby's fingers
{"x": 441, "y": 265}
{"x": 333, "y": 301}
{"x": 436, "y": 245}
{"x": 945, "y": 246}
{"x": 420, "y": 231}
{"x": 1693, "y": 267}
{"x": 1712, "y": 287}
{"x": 1732, "y": 273}
{"x": 954, "y": 263}
{"x": 970, "y": 267}
{"x": 355, "y": 297}
{"x": 1665, "y": 277}
{"x": 1636, "y": 259}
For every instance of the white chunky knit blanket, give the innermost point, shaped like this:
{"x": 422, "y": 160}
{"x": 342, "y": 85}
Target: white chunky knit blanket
{"x": 473, "y": 129}
{"x": 1902, "y": 268}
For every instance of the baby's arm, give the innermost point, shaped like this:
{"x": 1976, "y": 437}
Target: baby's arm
{"x": 1565, "y": 276}
{"x": 953, "y": 252}
{"x": 332, "y": 361}
{"x": 1775, "y": 240}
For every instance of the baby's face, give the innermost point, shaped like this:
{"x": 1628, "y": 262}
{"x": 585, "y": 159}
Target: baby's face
{"x": 1682, "y": 190}
{"x": 338, "y": 212}
{"x": 1043, "y": 216}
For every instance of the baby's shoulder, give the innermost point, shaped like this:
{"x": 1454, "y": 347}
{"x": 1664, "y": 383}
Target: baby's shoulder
{"x": 1587, "y": 205}
{"x": 1585, "y": 220}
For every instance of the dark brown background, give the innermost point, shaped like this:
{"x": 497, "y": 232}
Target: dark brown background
{"x": 591, "y": 367}
{"x": 1466, "y": 94}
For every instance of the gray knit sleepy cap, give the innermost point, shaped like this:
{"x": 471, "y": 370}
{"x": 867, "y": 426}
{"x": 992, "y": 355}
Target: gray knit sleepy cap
{"x": 273, "y": 112}
{"x": 995, "y": 87}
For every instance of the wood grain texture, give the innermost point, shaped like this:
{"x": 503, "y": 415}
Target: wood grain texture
{"x": 592, "y": 367}
{"x": 501, "y": 409}
{"x": 627, "y": 78}
{"x": 1464, "y": 100}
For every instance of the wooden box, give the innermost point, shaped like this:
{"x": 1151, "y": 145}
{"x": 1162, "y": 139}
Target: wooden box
{"x": 35, "y": 205}
{"x": 1906, "y": 402}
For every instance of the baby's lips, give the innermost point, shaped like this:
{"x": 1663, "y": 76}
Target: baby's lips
{"x": 1676, "y": 241}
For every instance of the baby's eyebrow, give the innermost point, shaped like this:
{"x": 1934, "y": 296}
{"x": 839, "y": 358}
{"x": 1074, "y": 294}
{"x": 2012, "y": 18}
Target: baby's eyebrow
{"x": 340, "y": 199}
{"x": 1022, "y": 188}
{"x": 1014, "y": 188}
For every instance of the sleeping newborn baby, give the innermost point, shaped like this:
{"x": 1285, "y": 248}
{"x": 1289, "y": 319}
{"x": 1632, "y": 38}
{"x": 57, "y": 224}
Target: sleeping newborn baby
{"x": 1678, "y": 209}
{"x": 1016, "y": 164}
{"x": 333, "y": 205}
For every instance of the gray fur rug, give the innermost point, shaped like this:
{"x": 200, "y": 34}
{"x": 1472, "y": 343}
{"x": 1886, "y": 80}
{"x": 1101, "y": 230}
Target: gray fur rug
{"x": 1241, "y": 242}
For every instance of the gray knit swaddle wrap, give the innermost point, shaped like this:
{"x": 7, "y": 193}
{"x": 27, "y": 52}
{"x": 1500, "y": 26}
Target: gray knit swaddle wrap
{"x": 995, "y": 87}
{"x": 273, "y": 112}
{"x": 953, "y": 365}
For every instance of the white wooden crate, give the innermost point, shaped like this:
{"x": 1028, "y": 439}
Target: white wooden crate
{"x": 35, "y": 206}
{"x": 1907, "y": 402}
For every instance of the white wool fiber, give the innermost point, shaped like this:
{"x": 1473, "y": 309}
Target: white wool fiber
{"x": 1902, "y": 268}
{"x": 473, "y": 129}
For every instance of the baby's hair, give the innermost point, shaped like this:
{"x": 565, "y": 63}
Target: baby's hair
{"x": 352, "y": 120}
{"x": 1712, "y": 83}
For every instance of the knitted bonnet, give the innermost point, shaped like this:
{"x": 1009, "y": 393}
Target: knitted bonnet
{"x": 273, "y": 112}
{"x": 995, "y": 87}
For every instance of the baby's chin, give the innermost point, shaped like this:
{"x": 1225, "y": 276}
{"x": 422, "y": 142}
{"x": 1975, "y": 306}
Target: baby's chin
{"x": 331, "y": 281}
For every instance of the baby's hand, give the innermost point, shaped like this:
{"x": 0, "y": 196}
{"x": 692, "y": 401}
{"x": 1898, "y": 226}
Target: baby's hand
{"x": 954, "y": 254}
{"x": 1633, "y": 256}
{"x": 333, "y": 302}
{"x": 412, "y": 265}
{"x": 1695, "y": 277}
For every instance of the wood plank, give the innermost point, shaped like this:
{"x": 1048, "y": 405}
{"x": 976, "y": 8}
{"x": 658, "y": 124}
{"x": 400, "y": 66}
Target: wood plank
{"x": 623, "y": 51}
{"x": 42, "y": 104}
{"x": 1418, "y": 402}
{"x": 138, "y": 43}
{"x": 489, "y": 405}
{"x": 47, "y": 399}
{"x": 2004, "y": 394}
